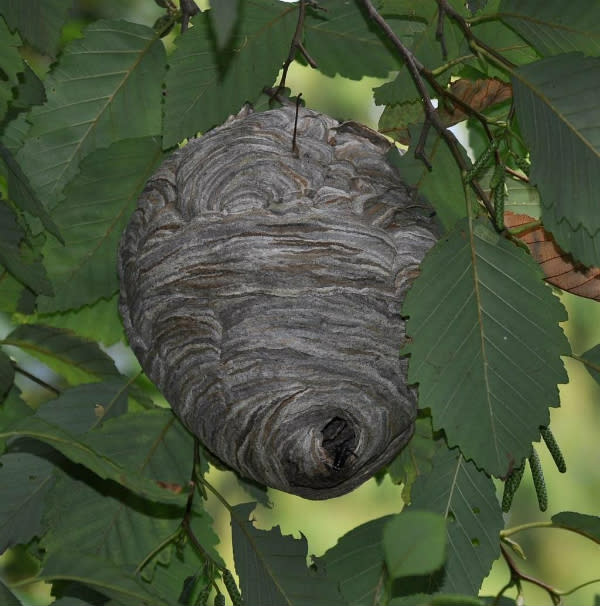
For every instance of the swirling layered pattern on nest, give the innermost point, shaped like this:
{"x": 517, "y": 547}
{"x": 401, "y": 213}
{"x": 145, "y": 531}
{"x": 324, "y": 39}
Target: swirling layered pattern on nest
{"x": 261, "y": 289}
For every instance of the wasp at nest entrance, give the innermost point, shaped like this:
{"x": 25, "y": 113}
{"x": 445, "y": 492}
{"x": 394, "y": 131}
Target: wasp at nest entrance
{"x": 254, "y": 321}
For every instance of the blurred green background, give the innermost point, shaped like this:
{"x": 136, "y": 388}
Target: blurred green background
{"x": 560, "y": 558}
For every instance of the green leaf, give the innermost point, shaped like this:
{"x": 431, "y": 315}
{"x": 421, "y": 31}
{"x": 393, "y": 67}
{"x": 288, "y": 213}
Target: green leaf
{"x": 98, "y": 203}
{"x": 203, "y": 88}
{"x": 552, "y": 28}
{"x": 77, "y": 359}
{"x": 7, "y": 597}
{"x": 486, "y": 344}
{"x": 332, "y": 37}
{"x": 102, "y": 575}
{"x": 443, "y": 185}
{"x": 12, "y": 410}
{"x": 272, "y": 567}
{"x": 466, "y": 497}
{"x": 23, "y": 195}
{"x": 395, "y": 120}
{"x": 584, "y": 524}
{"x": 26, "y": 479}
{"x": 224, "y": 15}
{"x": 91, "y": 454}
{"x": 357, "y": 563}
{"x": 415, "y": 458}
{"x": 16, "y": 254}
{"x": 11, "y": 64}
{"x": 591, "y": 360}
{"x": 81, "y": 408}
{"x": 559, "y": 123}
{"x": 7, "y": 374}
{"x": 442, "y": 599}
{"x": 99, "y": 321}
{"x": 106, "y": 87}
{"x": 414, "y": 543}
{"x": 38, "y": 22}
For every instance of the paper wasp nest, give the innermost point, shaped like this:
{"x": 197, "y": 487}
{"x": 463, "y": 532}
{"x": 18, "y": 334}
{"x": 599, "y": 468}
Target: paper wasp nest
{"x": 261, "y": 290}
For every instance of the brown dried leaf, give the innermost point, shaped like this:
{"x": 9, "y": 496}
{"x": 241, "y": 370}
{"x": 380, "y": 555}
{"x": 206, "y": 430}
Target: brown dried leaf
{"x": 479, "y": 94}
{"x": 559, "y": 267}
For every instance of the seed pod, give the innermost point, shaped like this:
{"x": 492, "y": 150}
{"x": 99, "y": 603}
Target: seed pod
{"x": 261, "y": 291}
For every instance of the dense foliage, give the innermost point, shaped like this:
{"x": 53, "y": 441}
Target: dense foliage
{"x": 100, "y": 482}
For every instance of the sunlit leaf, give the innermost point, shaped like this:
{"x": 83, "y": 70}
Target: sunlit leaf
{"x": 414, "y": 543}
{"x": 272, "y": 567}
{"x": 563, "y": 118}
{"x": 466, "y": 497}
{"x": 553, "y": 28}
{"x": 105, "y": 87}
{"x": 357, "y": 563}
{"x": 203, "y": 89}
{"x": 97, "y": 205}
{"x": 77, "y": 359}
{"x": 486, "y": 345}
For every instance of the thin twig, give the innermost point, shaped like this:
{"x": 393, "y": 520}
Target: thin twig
{"x": 188, "y": 9}
{"x": 296, "y": 46}
{"x": 516, "y": 576}
{"x": 37, "y": 380}
{"x": 418, "y": 72}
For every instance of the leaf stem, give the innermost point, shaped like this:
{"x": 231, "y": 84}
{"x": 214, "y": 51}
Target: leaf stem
{"x": 507, "y": 532}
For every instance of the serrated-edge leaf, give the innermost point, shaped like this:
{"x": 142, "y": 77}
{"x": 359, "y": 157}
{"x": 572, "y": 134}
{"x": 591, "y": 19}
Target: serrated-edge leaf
{"x": 466, "y": 497}
{"x": 102, "y": 575}
{"x": 204, "y": 89}
{"x": 106, "y": 87}
{"x": 552, "y": 28}
{"x": 78, "y": 359}
{"x": 486, "y": 344}
{"x": 581, "y": 523}
{"x": 559, "y": 124}
{"x": 357, "y": 563}
{"x": 272, "y": 567}
{"x": 23, "y": 195}
{"x": 78, "y": 450}
{"x": 26, "y": 480}
{"x": 38, "y": 22}
{"x": 97, "y": 205}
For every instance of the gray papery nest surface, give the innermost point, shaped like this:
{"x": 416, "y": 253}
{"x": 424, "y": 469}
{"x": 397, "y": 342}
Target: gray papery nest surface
{"x": 261, "y": 290}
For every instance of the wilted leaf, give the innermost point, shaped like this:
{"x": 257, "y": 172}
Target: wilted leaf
{"x": 466, "y": 497}
{"x": 357, "y": 563}
{"x": 486, "y": 344}
{"x": 479, "y": 94}
{"x": 203, "y": 89}
{"x": 272, "y": 567}
{"x": 414, "y": 543}
{"x": 560, "y": 268}
{"x": 558, "y": 112}
{"x": 105, "y": 87}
